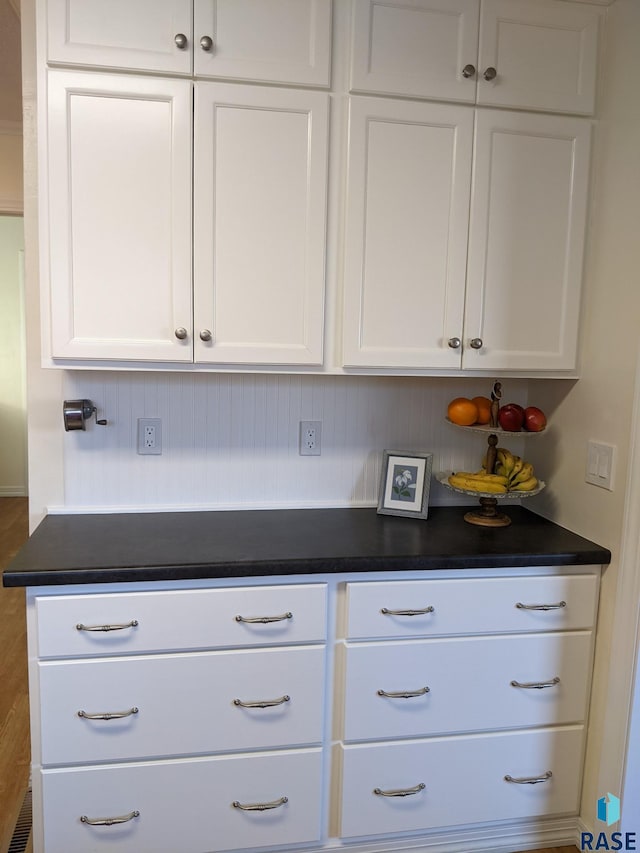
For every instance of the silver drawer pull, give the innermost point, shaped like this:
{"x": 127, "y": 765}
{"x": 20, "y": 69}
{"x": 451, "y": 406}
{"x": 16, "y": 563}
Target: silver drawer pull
{"x": 265, "y": 703}
{"x": 536, "y": 685}
{"x": 132, "y": 624}
{"x": 264, "y": 620}
{"x": 404, "y": 694}
{"x": 530, "y": 780}
{"x": 260, "y": 807}
{"x": 400, "y": 792}
{"x": 386, "y": 612}
{"x": 109, "y": 821}
{"x": 110, "y": 715}
{"x": 557, "y": 606}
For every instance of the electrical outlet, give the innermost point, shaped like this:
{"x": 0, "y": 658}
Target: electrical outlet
{"x": 310, "y": 438}
{"x": 149, "y": 436}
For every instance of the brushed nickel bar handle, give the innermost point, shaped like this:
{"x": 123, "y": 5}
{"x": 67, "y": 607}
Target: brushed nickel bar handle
{"x": 260, "y": 807}
{"x": 386, "y": 612}
{"x": 530, "y": 780}
{"x": 264, "y": 620}
{"x": 265, "y": 703}
{"x": 105, "y": 628}
{"x": 404, "y": 694}
{"x": 557, "y": 606}
{"x": 110, "y": 715}
{"x": 400, "y": 792}
{"x": 536, "y": 685}
{"x": 109, "y": 821}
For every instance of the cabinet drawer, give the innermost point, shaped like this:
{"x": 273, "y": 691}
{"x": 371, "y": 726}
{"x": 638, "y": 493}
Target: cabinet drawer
{"x": 470, "y": 606}
{"x": 469, "y": 683}
{"x": 463, "y": 780}
{"x": 185, "y": 704}
{"x": 185, "y": 806}
{"x": 184, "y": 619}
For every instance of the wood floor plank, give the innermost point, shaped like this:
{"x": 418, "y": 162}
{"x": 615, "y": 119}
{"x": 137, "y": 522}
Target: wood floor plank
{"x": 15, "y": 749}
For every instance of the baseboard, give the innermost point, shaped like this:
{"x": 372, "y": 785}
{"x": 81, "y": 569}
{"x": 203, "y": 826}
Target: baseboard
{"x": 13, "y": 492}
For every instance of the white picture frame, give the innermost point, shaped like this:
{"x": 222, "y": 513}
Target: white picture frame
{"x": 405, "y": 483}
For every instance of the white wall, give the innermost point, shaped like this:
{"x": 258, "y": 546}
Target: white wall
{"x": 13, "y": 406}
{"x": 232, "y": 440}
{"x": 599, "y": 406}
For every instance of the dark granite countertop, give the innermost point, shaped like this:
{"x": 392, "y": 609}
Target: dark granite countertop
{"x": 78, "y": 549}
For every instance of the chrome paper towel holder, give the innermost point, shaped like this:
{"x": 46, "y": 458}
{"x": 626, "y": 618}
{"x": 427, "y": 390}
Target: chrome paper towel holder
{"x": 76, "y": 412}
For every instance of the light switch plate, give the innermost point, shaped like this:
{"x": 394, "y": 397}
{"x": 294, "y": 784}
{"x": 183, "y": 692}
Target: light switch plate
{"x": 600, "y": 464}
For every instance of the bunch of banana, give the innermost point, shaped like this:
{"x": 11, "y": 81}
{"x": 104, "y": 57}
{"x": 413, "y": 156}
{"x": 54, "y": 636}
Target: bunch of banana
{"x": 519, "y": 474}
{"x": 479, "y": 481}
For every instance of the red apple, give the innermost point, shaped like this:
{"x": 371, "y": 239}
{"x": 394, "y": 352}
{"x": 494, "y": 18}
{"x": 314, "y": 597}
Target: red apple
{"x": 511, "y": 417}
{"x": 535, "y": 419}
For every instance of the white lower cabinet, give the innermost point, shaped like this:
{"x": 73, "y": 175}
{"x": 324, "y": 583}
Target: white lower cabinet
{"x": 201, "y": 717}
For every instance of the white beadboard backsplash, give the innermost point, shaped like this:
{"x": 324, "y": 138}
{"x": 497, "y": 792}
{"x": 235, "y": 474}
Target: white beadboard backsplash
{"x": 231, "y": 440}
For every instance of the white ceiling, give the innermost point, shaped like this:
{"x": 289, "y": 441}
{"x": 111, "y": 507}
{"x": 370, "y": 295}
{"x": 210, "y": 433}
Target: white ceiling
{"x": 10, "y": 73}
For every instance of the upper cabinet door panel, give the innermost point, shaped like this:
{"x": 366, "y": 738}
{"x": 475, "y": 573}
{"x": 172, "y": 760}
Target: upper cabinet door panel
{"x": 406, "y": 232}
{"x": 544, "y": 53}
{"x": 526, "y": 240}
{"x": 415, "y": 47}
{"x": 131, "y": 34}
{"x": 119, "y": 211}
{"x": 259, "y": 224}
{"x": 275, "y": 41}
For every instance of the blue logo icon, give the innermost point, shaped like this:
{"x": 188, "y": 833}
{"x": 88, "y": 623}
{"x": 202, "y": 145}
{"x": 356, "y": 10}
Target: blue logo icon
{"x": 609, "y": 809}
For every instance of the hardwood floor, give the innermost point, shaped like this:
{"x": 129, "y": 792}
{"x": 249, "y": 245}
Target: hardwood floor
{"x": 14, "y": 698}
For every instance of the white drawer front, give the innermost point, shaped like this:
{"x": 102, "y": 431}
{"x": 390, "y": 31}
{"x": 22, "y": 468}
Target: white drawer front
{"x": 463, "y": 778}
{"x": 469, "y": 682}
{"x": 185, "y": 704}
{"x": 471, "y": 606}
{"x": 184, "y": 619}
{"x": 184, "y": 806}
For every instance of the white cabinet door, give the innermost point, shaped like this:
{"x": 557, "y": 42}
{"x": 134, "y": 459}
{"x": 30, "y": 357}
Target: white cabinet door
{"x": 415, "y": 48}
{"x": 119, "y": 216}
{"x": 406, "y": 233}
{"x": 544, "y": 54}
{"x": 259, "y": 224}
{"x": 276, "y": 41}
{"x": 132, "y": 34}
{"x": 526, "y": 241}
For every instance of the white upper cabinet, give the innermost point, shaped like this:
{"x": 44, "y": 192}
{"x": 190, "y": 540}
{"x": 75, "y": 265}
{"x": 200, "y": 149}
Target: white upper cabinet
{"x": 528, "y": 54}
{"x": 151, "y": 35}
{"x": 119, "y": 216}
{"x": 413, "y": 297}
{"x": 526, "y": 241}
{"x": 406, "y": 237}
{"x": 259, "y": 224}
{"x": 275, "y": 41}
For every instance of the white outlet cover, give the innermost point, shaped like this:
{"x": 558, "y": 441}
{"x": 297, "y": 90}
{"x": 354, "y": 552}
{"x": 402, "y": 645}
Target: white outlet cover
{"x": 156, "y": 424}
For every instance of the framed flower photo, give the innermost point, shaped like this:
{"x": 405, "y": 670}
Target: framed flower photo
{"x": 405, "y": 483}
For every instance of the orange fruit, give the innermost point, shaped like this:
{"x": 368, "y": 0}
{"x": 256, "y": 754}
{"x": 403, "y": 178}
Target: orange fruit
{"x": 484, "y": 409}
{"x": 462, "y": 411}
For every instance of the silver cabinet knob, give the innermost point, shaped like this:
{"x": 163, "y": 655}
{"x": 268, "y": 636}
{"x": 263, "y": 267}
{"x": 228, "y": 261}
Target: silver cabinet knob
{"x": 181, "y": 41}
{"x": 454, "y": 343}
{"x": 490, "y": 74}
{"x": 206, "y": 43}
{"x": 205, "y": 335}
{"x": 475, "y": 343}
{"x": 468, "y": 71}
{"x": 181, "y": 333}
